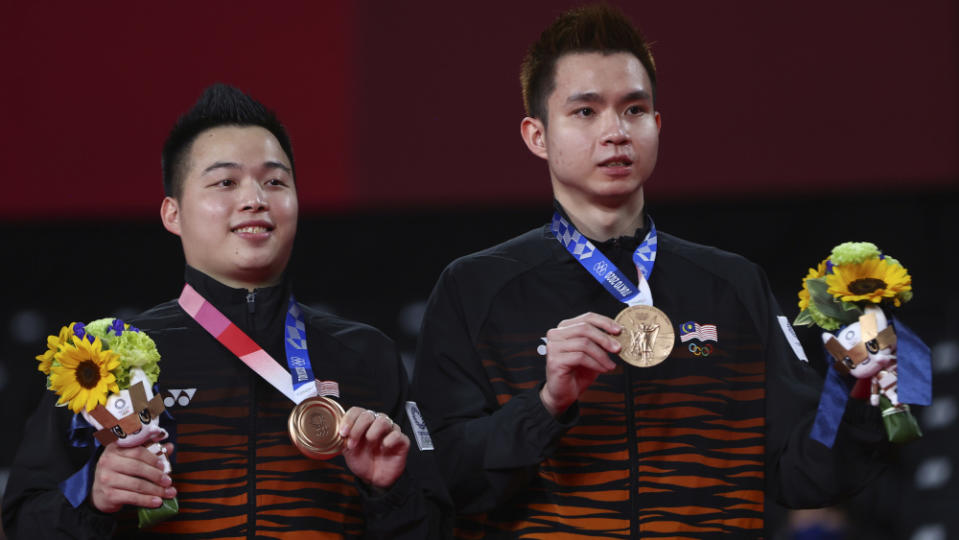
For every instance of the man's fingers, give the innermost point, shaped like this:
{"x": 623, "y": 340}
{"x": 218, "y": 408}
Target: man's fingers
{"x": 363, "y": 426}
{"x": 601, "y": 356}
{"x": 139, "y": 453}
{"x": 130, "y": 476}
{"x": 580, "y": 360}
{"x": 121, "y": 470}
{"x": 396, "y": 440}
{"x": 147, "y": 456}
{"x": 114, "y": 488}
{"x": 133, "y": 484}
{"x": 602, "y": 322}
{"x": 136, "y": 461}
{"x": 595, "y": 333}
{"x": 348, "y": 421}
{"x": 148, "y": 467}
{"x": 557, "y": 351}
{"x": 355, "y": 425}
{"x": 381, "y": 427}
{"x": 119, "y": 498}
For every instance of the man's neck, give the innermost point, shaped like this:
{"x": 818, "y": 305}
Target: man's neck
{"x": 241, "y": 282}
{"x": 601, "y": 222}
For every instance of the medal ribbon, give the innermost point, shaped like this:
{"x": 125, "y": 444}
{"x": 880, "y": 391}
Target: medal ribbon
{"x": 295, "y": 383}
{"x": 603, "y": 270}
{"x": 297, "y": 355}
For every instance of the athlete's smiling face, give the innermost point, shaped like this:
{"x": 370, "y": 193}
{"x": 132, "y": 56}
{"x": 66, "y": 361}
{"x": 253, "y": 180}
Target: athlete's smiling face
{"x": 236, "y": 214}
{"x": 602, "y": 132}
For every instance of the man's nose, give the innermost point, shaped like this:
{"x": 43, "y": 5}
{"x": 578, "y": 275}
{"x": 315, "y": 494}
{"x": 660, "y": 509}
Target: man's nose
{"x": 252, "y": 196}
{"x": 614, "y": 129}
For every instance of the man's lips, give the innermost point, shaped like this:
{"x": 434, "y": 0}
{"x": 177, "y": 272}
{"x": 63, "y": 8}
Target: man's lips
{"x": 616, "y": 161}
{"x": 252, "y": 228}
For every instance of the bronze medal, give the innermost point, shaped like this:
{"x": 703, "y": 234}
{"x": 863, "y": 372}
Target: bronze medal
{"x": 647, "y": 337}
{"x": 314, "y": 427}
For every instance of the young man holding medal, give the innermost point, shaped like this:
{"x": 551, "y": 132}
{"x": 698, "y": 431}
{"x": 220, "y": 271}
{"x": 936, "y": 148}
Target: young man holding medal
{"x": 256, "y": 383}
{"x": 598, "y": 377}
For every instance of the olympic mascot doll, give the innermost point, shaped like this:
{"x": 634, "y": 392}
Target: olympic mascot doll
{"x": 847, "y": 295}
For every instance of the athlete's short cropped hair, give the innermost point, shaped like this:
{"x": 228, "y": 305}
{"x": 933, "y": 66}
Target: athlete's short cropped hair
{"x": 220, "y": 105}
{"x": 593, "y": 28}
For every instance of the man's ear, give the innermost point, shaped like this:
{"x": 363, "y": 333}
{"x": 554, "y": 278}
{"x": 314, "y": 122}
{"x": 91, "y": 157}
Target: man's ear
{"x": 170, "y": 215}
{"x": 534, "y": 135}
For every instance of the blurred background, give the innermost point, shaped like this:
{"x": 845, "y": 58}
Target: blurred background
{"x": 788, "y": 128}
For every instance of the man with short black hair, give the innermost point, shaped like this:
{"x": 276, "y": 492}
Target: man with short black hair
{"x": 231, "y": 197}
{"x": 673, "y": 419}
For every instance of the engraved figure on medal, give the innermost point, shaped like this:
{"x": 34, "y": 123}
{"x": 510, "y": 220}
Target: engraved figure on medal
{"x": 642, "y": 341}
{"x": 647, "y": 336}
{"x": 320, "y": 425}
{"x": 313, "y": 427}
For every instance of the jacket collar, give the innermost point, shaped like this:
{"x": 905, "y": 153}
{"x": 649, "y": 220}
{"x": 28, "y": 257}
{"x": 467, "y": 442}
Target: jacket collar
{"x": 263, "y": 309}
{"x": 628, "y": 243}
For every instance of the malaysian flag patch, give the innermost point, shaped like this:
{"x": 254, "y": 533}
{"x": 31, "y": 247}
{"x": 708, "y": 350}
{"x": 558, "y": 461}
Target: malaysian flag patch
{"x": 693, "y": 330}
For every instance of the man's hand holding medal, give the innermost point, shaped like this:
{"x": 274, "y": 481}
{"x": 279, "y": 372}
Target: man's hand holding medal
{"x": 374, "y": 446}
{"x": 577, "y": 350}
{"x": 576, "y": 353}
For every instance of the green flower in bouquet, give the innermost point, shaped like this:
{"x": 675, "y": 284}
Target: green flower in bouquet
{"x": 855, "y": 274}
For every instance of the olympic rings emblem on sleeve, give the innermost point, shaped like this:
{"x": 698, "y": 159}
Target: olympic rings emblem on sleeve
{"x": 701, "y": 350}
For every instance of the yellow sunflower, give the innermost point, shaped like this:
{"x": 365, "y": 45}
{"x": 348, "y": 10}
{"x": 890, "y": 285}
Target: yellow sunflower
{"x": 871, "y": 280}
{"x": 814, "y": 273}
{"x": 53, "y": 345}
{"x": 84, "y": 379}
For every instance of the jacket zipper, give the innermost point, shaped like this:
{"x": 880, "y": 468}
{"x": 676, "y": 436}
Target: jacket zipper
{"x": 631, "y": 436}
{"x": 633, "y": 456}
{"x": 251, "y": 444}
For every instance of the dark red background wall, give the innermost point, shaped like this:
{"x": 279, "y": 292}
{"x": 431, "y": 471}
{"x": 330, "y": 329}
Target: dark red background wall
{"x": 416, "y": 105}
{"x": 788, "y": 127}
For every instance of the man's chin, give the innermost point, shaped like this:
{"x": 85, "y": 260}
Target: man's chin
{"x": 618, "y": 194}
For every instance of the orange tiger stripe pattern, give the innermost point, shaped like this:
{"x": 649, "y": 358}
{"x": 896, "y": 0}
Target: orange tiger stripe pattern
{"x": 677, "y": 449}
{"x": 216, "y": 483}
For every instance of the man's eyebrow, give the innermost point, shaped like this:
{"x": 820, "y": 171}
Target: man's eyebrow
{"x": 221, "y": 165}
{"x": 587, "y": 97}
{"x": 637, "y": 95}
{"x": 593, "y": 97}
{"x": 277, "y": 165}
{"x": 232, "y": 165}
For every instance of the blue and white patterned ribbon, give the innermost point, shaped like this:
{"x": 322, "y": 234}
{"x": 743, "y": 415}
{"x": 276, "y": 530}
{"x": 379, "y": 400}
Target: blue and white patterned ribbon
{"x": 297, "y": 354}
{"x": 603, "y": 270}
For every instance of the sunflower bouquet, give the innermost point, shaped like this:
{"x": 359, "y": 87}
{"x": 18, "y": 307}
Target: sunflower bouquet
{"x": 854, "y": 275}
{"x": 104, "y": 373}
{"x": 849, "y": 295}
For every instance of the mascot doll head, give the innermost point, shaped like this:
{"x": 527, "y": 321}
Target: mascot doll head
{"x": 130, "y": 417}
{"x": 864, "y": 347}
